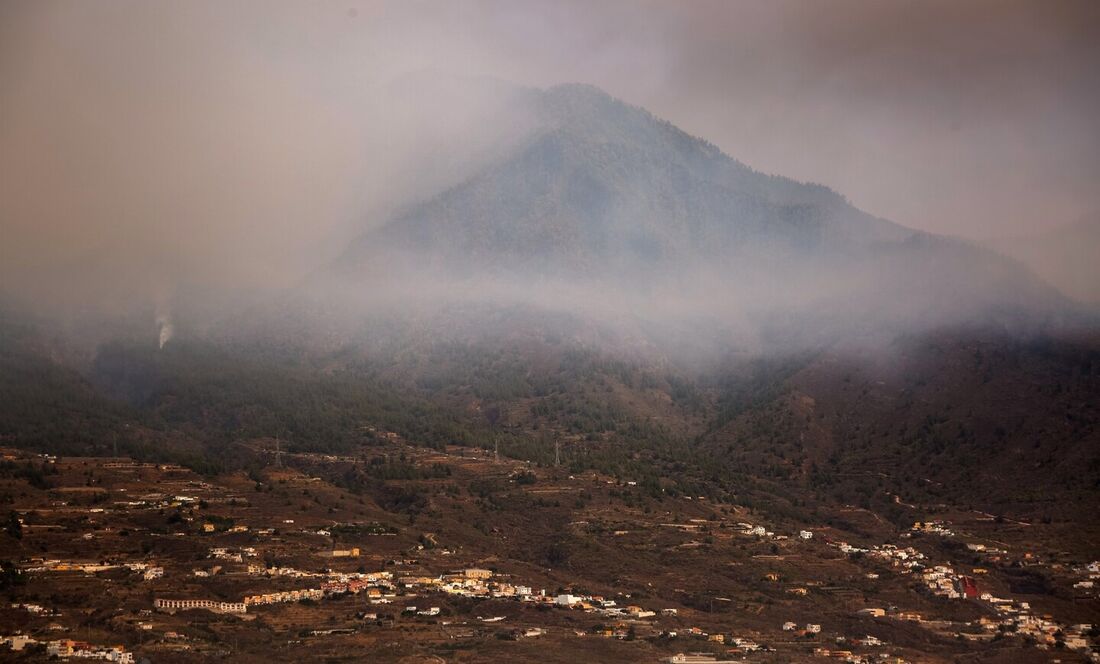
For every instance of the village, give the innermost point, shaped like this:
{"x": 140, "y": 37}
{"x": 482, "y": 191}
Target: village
{"x": 141, "y": 554}
{"x": 1012, "y": 617}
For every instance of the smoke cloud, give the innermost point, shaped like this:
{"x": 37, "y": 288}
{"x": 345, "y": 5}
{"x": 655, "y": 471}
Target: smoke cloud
{"x": 153, "y": 146}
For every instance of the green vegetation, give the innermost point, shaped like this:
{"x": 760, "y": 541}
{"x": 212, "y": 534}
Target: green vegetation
{"x": 743, "y": 431}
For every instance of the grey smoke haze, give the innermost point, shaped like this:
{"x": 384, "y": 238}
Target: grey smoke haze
{"x": 144, "y": 144}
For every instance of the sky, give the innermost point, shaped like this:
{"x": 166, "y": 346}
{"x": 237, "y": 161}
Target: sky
{"x": 147, "y": 142}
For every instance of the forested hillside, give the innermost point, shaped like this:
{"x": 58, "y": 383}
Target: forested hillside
{"x": 963, "y": 417}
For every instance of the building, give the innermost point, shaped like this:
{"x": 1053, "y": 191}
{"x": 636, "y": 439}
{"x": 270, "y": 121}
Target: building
{"x": 285, "y": 596}
{"x": 969, "y": 587}
{"x": 475, "y": 573}
{"x": 66, "y": 648}
{"x": 173, "y": 605}
{"x": 17, "y": 642}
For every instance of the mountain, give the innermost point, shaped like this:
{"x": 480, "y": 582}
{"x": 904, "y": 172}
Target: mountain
{"x": 602, "y": 186}
{"x": 604, "y": 207}
{"x": 965, "y": 417}
{"x": 604, "y": 279}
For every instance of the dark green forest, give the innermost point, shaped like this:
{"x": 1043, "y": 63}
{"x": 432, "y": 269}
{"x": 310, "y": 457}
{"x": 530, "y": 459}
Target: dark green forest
{"x": 738, "y": 432}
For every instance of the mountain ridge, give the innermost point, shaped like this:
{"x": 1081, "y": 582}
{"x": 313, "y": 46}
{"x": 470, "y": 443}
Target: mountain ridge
{"x": 601, "y": 171}
{"x": 606, "y": 206}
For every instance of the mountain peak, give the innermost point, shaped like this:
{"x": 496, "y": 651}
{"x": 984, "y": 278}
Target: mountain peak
{"x": 604, "y": 193}
{"x": 601, "y": 117}
{"x": 580, "y": 100}
{"x": 601, "y": 186}
{"x": 582, "y": 92}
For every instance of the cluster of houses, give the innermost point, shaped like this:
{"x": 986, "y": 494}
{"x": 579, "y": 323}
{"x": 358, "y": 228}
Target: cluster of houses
{"x": 383, "y": 588}
{"x": 380, "y": 587}
{"x": 1014, "y": 617}
{"x": 67, "y": 648}
{"x": 945, "y": 582}
{"x": 68, "y": 566}
{"x": 941, "y": 580}
{"x": 810, "y": 628}
{"x": 906, "y": 559}
{"x": 156, "y": 501}
{"x": 232, "y": 555}
{"x": 209, "y": 527}
{"x": 1091, "y": 582}
{"x": 933, "y": 528}
{"x": 751, "y": 530}
{"x": 738, "y": 643}
{"x": 867, "y": 641}
{"x": 260, "y": 570}
{"x": 853, "y": 658}
{"x": 594, "y": 604}
{"x": 35, "y": 609}
{"x": 284, "y": 596}
{"x": 40, "y": 565}
{"x": 976, "y": 547}
{"x": 742, "y": 646}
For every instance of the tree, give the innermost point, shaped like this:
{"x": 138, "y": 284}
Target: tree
{"x": 556, "y": 555}
{"x": 14, "y": 527}
{"x": 10, "y": 575}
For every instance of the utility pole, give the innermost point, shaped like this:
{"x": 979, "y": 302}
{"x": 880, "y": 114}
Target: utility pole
{"x": 557, "y": 452}
{"x": 492, "y": 416}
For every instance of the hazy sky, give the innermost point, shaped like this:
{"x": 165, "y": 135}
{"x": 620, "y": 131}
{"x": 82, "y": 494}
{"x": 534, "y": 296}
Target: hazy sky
{"x": 144, "y": 142}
